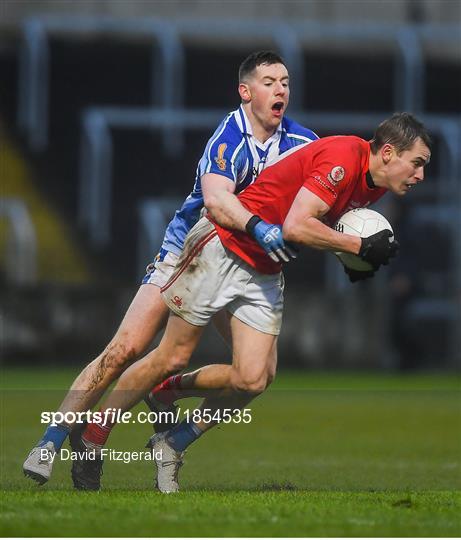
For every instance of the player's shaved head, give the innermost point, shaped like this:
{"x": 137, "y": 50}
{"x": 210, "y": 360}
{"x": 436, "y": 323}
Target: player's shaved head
{"x": 249, "y": 65}
{"x": 401, "y": 130}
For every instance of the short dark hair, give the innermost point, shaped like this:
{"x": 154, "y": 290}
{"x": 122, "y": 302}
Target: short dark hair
{"x": 401, "y": 130}
{"x": 255, "y": 59}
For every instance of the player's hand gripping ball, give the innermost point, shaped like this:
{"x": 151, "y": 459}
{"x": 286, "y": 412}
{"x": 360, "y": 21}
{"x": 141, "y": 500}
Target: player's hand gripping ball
{"x": 378, "y": 243}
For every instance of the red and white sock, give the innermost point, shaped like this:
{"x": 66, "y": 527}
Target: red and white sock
{"x": 168, "y": 391}
{"x": 96, "y": 434}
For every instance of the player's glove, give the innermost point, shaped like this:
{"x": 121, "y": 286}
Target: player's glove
{"x": 358, "y": 275}
{"x": 377, "y": 250}
{"x": 269, "y": 237}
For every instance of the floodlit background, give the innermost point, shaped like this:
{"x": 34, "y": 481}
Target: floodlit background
{"x": 105, "y": 110}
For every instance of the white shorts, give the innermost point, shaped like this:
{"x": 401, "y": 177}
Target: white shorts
{"x": 160, "y": 271}
{"x": 209, "y": 277}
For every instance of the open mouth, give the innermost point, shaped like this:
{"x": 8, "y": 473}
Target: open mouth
{"x": 277, "y": 107}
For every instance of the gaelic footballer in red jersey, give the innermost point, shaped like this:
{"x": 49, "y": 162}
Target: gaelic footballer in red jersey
{"x": 314, "y": 185}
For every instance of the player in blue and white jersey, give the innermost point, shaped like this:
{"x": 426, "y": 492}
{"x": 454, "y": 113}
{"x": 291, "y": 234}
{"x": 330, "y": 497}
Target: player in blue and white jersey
{"x": 244, "y": 143}
{"x": 235, "y": 152}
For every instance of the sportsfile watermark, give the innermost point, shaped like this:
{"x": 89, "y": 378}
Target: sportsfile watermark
{"x": 116, "y": 416}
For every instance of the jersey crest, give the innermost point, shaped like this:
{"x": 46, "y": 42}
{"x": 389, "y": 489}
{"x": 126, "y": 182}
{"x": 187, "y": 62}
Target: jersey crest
{"x": 221, "y": 162}
{"x": 336, "y": 175}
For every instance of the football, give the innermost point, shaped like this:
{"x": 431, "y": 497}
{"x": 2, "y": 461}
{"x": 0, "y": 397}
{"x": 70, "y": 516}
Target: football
{"x": 361, "y": 222}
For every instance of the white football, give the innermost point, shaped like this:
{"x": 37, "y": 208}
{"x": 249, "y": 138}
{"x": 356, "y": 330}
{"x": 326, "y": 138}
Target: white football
{"x": 361, "y": 222}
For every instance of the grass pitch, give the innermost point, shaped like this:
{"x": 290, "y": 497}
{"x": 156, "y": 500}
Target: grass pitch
{"x": 325, "y": 455}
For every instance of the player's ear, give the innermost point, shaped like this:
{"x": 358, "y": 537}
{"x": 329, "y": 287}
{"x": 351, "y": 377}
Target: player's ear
{"x": 245, "y": 93}
{"x": 387, "y": 151}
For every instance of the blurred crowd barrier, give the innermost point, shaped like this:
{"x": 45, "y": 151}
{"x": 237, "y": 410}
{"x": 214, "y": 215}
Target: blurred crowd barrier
{"x": 404, "y": 11}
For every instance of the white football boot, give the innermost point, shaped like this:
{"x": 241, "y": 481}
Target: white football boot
{"x": 168, "y": 462}
{"x": 39, "y": 463}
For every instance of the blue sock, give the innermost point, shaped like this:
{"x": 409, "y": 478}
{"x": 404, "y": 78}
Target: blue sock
{"x": 56, "y": 434}
{"x": 180, "y": 437}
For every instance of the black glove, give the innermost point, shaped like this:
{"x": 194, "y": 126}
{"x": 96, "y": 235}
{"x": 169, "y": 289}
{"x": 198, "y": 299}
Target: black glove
{"x": 358, "y": 275}
{"x": 377, "y": 250}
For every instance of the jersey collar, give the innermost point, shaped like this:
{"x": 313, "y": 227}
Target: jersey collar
{"x": 246, "y": 128}
{"x": 368, "y": 177}
{"x": 369, "y": 180}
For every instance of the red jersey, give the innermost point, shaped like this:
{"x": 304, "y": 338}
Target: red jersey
{"x": 334, "y": 168}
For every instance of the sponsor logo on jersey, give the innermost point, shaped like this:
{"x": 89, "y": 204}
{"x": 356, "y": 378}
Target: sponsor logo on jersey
{"x": 177, "y": 301}
{"x": 220, "y": 161}
{"x": 325, "y": 185}
{"x": 336, "y": 175}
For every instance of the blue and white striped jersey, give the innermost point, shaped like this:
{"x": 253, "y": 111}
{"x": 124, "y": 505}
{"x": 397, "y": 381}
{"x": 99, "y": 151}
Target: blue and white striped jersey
{"x": 233, "y": 152}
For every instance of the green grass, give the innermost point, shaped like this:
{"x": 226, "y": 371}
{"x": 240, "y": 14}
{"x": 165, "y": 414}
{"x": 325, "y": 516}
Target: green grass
{"x": 325, "y": 455}
{"x": 236, "y": 513}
